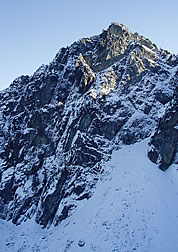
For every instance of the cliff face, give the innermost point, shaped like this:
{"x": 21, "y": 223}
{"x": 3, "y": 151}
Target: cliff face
{"x": 164, "y": 142}
{"x": 61, "y": 124}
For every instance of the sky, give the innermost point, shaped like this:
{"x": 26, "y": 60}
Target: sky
{"x": 32, "y": 32}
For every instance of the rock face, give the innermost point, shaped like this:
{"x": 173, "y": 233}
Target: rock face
{"x": 61, "y": 124}
{"x": 164, "y": 142}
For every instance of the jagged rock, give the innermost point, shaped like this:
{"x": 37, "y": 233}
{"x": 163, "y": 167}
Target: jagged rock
{"x": 81, "y": 243}
{"x": 164, "y": 143}
{"x": 49, "y": 203}
{"x": 59, "y": 125}
{"x": 84, "y": 75}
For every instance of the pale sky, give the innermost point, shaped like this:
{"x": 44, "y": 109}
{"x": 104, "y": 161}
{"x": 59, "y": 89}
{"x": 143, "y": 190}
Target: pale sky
{"x": 32, "y": 31}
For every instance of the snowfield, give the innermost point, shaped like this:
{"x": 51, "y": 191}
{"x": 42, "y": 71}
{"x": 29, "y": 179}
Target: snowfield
{"x": 134, "y": 208}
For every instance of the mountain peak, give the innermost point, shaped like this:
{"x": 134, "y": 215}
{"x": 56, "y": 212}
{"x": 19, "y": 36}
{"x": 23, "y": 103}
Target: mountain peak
{"x": 117, "y": 29}
{"x": 114, "y": 44}
{"x": 59, "y": 126}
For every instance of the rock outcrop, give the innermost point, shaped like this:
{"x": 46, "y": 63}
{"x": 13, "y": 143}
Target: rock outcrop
{"x": 60, "y": 125}
{"x": 164, "y": 142}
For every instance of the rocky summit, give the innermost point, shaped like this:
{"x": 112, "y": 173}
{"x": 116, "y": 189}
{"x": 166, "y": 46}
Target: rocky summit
{"x": 59, "y": 126}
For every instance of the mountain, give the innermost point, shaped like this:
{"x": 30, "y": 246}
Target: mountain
{"x": 134, "y": 208}
{"x": 60, "y": 127}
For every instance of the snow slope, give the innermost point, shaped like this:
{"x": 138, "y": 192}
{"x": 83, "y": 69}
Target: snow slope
{"x": 134, "y": 208}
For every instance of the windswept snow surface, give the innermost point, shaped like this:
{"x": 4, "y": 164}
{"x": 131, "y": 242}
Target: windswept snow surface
{"x": 134, "y": 208}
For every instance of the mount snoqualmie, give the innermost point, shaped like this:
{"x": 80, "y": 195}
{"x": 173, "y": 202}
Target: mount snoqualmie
{"x": 88, "y": 149}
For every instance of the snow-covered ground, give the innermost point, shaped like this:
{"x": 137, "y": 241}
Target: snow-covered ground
{"x": 134, "y": 208}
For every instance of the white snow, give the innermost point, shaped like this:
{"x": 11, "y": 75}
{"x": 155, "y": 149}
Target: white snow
{"x": 134, "y": 208}
{"x": 148, "y": 49}
{"x": 152, "y": 61}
